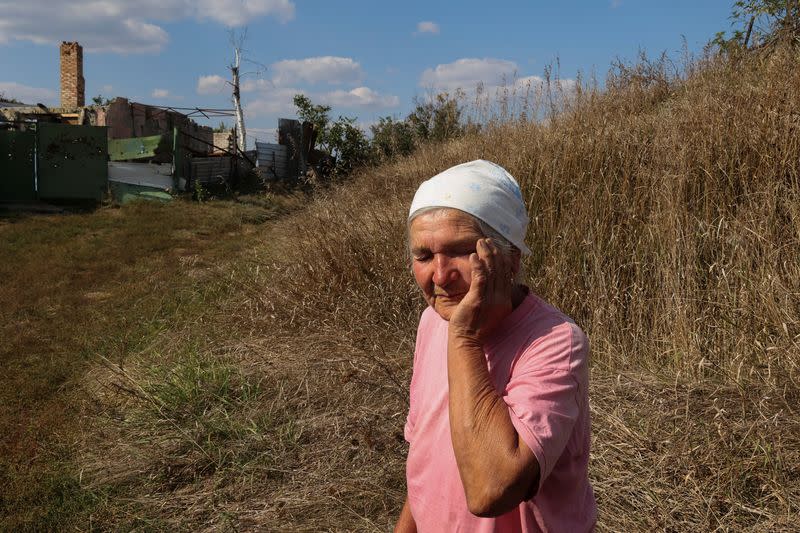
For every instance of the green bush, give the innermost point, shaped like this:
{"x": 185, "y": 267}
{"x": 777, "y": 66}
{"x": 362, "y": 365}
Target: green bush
{"x": 391, "y": 138}
{"x": 436, "y": 119}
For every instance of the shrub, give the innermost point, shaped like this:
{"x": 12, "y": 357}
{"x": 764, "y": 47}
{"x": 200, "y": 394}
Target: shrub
{"x": 391, "y": 138}
{"x": 437, "y": 118}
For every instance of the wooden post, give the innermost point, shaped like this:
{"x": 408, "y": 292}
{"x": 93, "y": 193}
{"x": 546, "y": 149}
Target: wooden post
{"x": 177, "y": 158}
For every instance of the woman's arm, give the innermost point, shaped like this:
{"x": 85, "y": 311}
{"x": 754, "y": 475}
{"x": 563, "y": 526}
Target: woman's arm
{"x": 497, "y": 468}
{"x": 405, "y": 523}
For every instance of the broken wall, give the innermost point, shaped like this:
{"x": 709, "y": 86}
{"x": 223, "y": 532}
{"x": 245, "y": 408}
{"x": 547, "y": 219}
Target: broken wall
{"x": 223, "y": 140}
{"x": 126, "y": 119}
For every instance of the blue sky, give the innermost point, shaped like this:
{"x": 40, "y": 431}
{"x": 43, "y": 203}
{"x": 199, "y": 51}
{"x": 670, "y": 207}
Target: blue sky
{"x": 365, "y": 58}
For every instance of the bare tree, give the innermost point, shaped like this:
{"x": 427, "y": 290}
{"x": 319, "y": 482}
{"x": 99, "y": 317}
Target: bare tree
{"x": 237, "y": 40}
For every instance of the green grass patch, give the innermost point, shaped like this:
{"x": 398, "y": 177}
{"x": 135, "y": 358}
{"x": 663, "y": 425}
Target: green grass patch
{"x": 209, "y": 411}
{"x": 49, "y": 498}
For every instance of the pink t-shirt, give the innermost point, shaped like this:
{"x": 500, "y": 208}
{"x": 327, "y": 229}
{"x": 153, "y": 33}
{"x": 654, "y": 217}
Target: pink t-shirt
{"x": 538, "y": 361}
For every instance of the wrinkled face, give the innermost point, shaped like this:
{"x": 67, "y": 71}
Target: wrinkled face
{"x": 441, "y": 243}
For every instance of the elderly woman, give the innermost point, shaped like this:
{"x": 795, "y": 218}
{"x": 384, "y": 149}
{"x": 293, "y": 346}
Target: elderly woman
{"x": 498, "y": 424}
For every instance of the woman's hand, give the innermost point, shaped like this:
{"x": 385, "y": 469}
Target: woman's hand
{"x": 489, "y": 299}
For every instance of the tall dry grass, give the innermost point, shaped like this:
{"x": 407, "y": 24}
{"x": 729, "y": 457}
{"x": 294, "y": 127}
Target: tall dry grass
{"x": 665, "y": 218}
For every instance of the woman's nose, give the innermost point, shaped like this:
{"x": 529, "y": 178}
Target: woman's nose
{"x": 444, "y": 270}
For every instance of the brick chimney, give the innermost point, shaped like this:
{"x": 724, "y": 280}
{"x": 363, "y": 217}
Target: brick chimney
{"x": 72, "y": 84}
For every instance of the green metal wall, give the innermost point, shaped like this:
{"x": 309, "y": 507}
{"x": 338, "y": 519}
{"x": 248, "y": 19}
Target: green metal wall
{"x": 138, "y": 147}
{"x": 54, "y": 162}
{"x": 17, "y": 178}
{"x": 72, "y": 162}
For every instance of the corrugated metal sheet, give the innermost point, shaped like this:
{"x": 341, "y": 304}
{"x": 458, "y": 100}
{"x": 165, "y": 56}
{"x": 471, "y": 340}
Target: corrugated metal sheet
{"x": 211, "y": 170}
{"x": 146, "y": 174}
{"x": 272, "y": 159}
{"x": 290, "y": 135}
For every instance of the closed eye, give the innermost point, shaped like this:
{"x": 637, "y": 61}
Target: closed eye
{"x": 427, "y": 256}
{"x": 463, "y": 253}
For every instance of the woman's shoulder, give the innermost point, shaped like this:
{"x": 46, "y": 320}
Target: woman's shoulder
{"x": 553, "y": 339}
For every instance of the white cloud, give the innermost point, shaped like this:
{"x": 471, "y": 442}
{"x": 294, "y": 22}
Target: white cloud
{"x": 280, "y": 101}
{"x": 426, "y": 26}
{"x": 240, "y": 12}
{"x": 248, "y": 86}
{"x": 26, "y": 94}
{"x": 467, "y": 73}
{"x": 212, "y": 84}
{"x": 536, "y": 84}
{"x": 328, "y": 69}
{"x": 160, "y": 93}
{"x": 122, "y": 26}
{"x": 108, "y": 89}
{"x": 360, "y": 97}
{"x": 104, "y": 32}
{"x": 532, "y": 83}
{"x": 273, "y": 102}
{"x": 615, "y": 4}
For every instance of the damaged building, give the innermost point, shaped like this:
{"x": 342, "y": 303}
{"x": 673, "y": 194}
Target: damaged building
{"x": 81, "y": 152}
{"x": 133, "y": 133}
{"x": 124, "y": 119}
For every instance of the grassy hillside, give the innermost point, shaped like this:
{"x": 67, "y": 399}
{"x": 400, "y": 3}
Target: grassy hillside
{"x": 665, "y": 219}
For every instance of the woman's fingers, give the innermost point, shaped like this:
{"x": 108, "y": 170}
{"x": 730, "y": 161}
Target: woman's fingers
{"x": 487, "y": 253}
{"x": 479, "y": 271}
{"x": 500, "y": 268}
{"x": 495, "y": 265}
{"x": 495, "y": 283}
{"x": 482, "y": 257}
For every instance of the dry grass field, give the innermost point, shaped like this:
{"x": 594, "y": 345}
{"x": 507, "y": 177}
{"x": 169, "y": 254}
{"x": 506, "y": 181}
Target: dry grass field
{"x": 212, "y": 368}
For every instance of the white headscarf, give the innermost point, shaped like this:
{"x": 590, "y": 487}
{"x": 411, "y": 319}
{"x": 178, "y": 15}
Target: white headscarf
{"x": 484, "y": 190}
